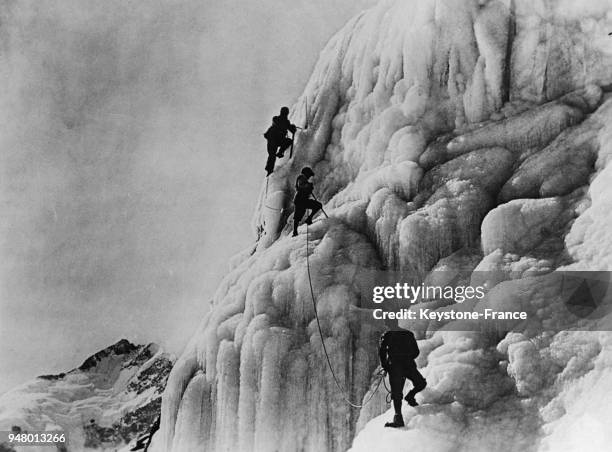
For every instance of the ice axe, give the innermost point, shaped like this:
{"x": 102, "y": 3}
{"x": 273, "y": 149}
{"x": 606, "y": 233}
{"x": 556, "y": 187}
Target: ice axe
{"x": 300, "y": 128}
{"x": 292, "y": 140}
{"x": 324, "y": 213}
{"x": 305, "y": 115}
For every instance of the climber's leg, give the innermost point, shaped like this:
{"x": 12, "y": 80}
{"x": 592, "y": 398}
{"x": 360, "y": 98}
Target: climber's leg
{"x": 314, "y": 207}
{"x": 271, "y": 156}
{"x": 396, "y": 380}
{"x": 285, "y": 144}
{"x": 418, "y": 383}
{"x": 300, "y": 210}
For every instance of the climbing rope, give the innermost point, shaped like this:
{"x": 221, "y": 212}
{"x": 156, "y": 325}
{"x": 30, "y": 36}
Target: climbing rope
{"x": 266, "y": 198}
{"x": 388, "y": 396}
{"x": 314, "y": 305}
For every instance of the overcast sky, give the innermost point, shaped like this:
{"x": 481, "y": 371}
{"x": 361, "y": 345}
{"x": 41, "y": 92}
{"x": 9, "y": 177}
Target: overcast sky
{"x": 131, "y": 153}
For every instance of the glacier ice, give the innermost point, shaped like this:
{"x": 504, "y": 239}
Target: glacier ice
{"x": 262, "y": 359}
{"x": 444, "y": 134}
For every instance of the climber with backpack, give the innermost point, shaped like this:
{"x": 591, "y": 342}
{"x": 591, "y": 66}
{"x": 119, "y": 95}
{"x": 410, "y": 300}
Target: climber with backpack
{"x": 397, "y": 351}
{"x": 302, "y": 199}
{"x": 278, "y": 141}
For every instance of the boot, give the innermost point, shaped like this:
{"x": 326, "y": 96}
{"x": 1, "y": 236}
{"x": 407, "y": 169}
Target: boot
{"x": 309, "y": 220}
{"x": 398, "y": 421}
{"x": 411, "y": 400}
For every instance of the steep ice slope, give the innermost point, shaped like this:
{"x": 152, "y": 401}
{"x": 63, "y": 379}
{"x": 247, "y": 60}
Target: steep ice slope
{"x": 254, "y": 376}
{"x": 118, "y": 388}
{"x": 444, "y": 134}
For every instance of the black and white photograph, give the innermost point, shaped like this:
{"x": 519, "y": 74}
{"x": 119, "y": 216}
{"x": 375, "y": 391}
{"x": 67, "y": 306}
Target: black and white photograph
{"x": 306, "y": 225}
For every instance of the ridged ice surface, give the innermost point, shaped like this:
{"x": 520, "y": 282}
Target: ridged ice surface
{"x": 443, "y": 134}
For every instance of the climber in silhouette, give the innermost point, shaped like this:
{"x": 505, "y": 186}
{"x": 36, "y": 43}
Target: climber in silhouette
{"x": 302, "y": 200}
{"x": 398, "y": 350}
{"x": 278, "y": 141}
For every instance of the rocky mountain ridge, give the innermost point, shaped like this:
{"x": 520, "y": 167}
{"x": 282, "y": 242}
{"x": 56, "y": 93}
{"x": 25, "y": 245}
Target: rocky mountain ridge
{"x": 110, "y": 400}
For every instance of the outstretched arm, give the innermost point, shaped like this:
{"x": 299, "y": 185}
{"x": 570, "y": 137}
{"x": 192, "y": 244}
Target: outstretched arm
{"x": 288, "y": 125}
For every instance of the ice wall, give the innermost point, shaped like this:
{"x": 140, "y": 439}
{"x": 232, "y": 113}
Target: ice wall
{"x": 433, "y": 126}
{"x": 254, "y": 376}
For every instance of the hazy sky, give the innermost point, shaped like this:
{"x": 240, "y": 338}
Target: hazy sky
{"x": 131, "y": 153}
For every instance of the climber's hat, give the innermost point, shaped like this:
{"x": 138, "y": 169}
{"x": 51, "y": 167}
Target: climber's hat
{"x": 307, "y": 171}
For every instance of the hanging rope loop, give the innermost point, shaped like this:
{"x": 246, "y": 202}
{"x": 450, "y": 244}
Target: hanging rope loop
{"x": 266, "y": 198}
{"x": 314, "y": 305}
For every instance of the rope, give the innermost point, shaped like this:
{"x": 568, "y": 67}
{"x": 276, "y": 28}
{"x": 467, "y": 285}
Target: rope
{"x": 388, "y": 396}
{"x": 266, "y": 198}
{"x": 314, "y": 305}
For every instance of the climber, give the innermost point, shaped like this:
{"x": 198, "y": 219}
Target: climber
{"x": 398, "y": 350}
{"x": 302, "y": 201}
{"x": 278, "y": 141}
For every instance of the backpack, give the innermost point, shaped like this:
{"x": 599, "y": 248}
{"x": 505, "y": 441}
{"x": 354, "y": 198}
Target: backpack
{"x": 268, "y": 133}
{"x": 276, "y": 131}
{"x": 400, "y": 345}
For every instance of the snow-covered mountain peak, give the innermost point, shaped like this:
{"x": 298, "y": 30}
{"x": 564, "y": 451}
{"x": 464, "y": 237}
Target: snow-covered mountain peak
{"x": 109, "y": 400}
{"x": 117, "y": 351}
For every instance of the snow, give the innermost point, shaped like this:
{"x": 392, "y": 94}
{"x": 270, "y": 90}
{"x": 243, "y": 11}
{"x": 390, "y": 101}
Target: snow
{"x": 519, "y": 225}
{"x": 117, "y": 385}
{"x": 588, "y": 241}
{"x": 444, "y": 134}
{"x": 582, "y": 405}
